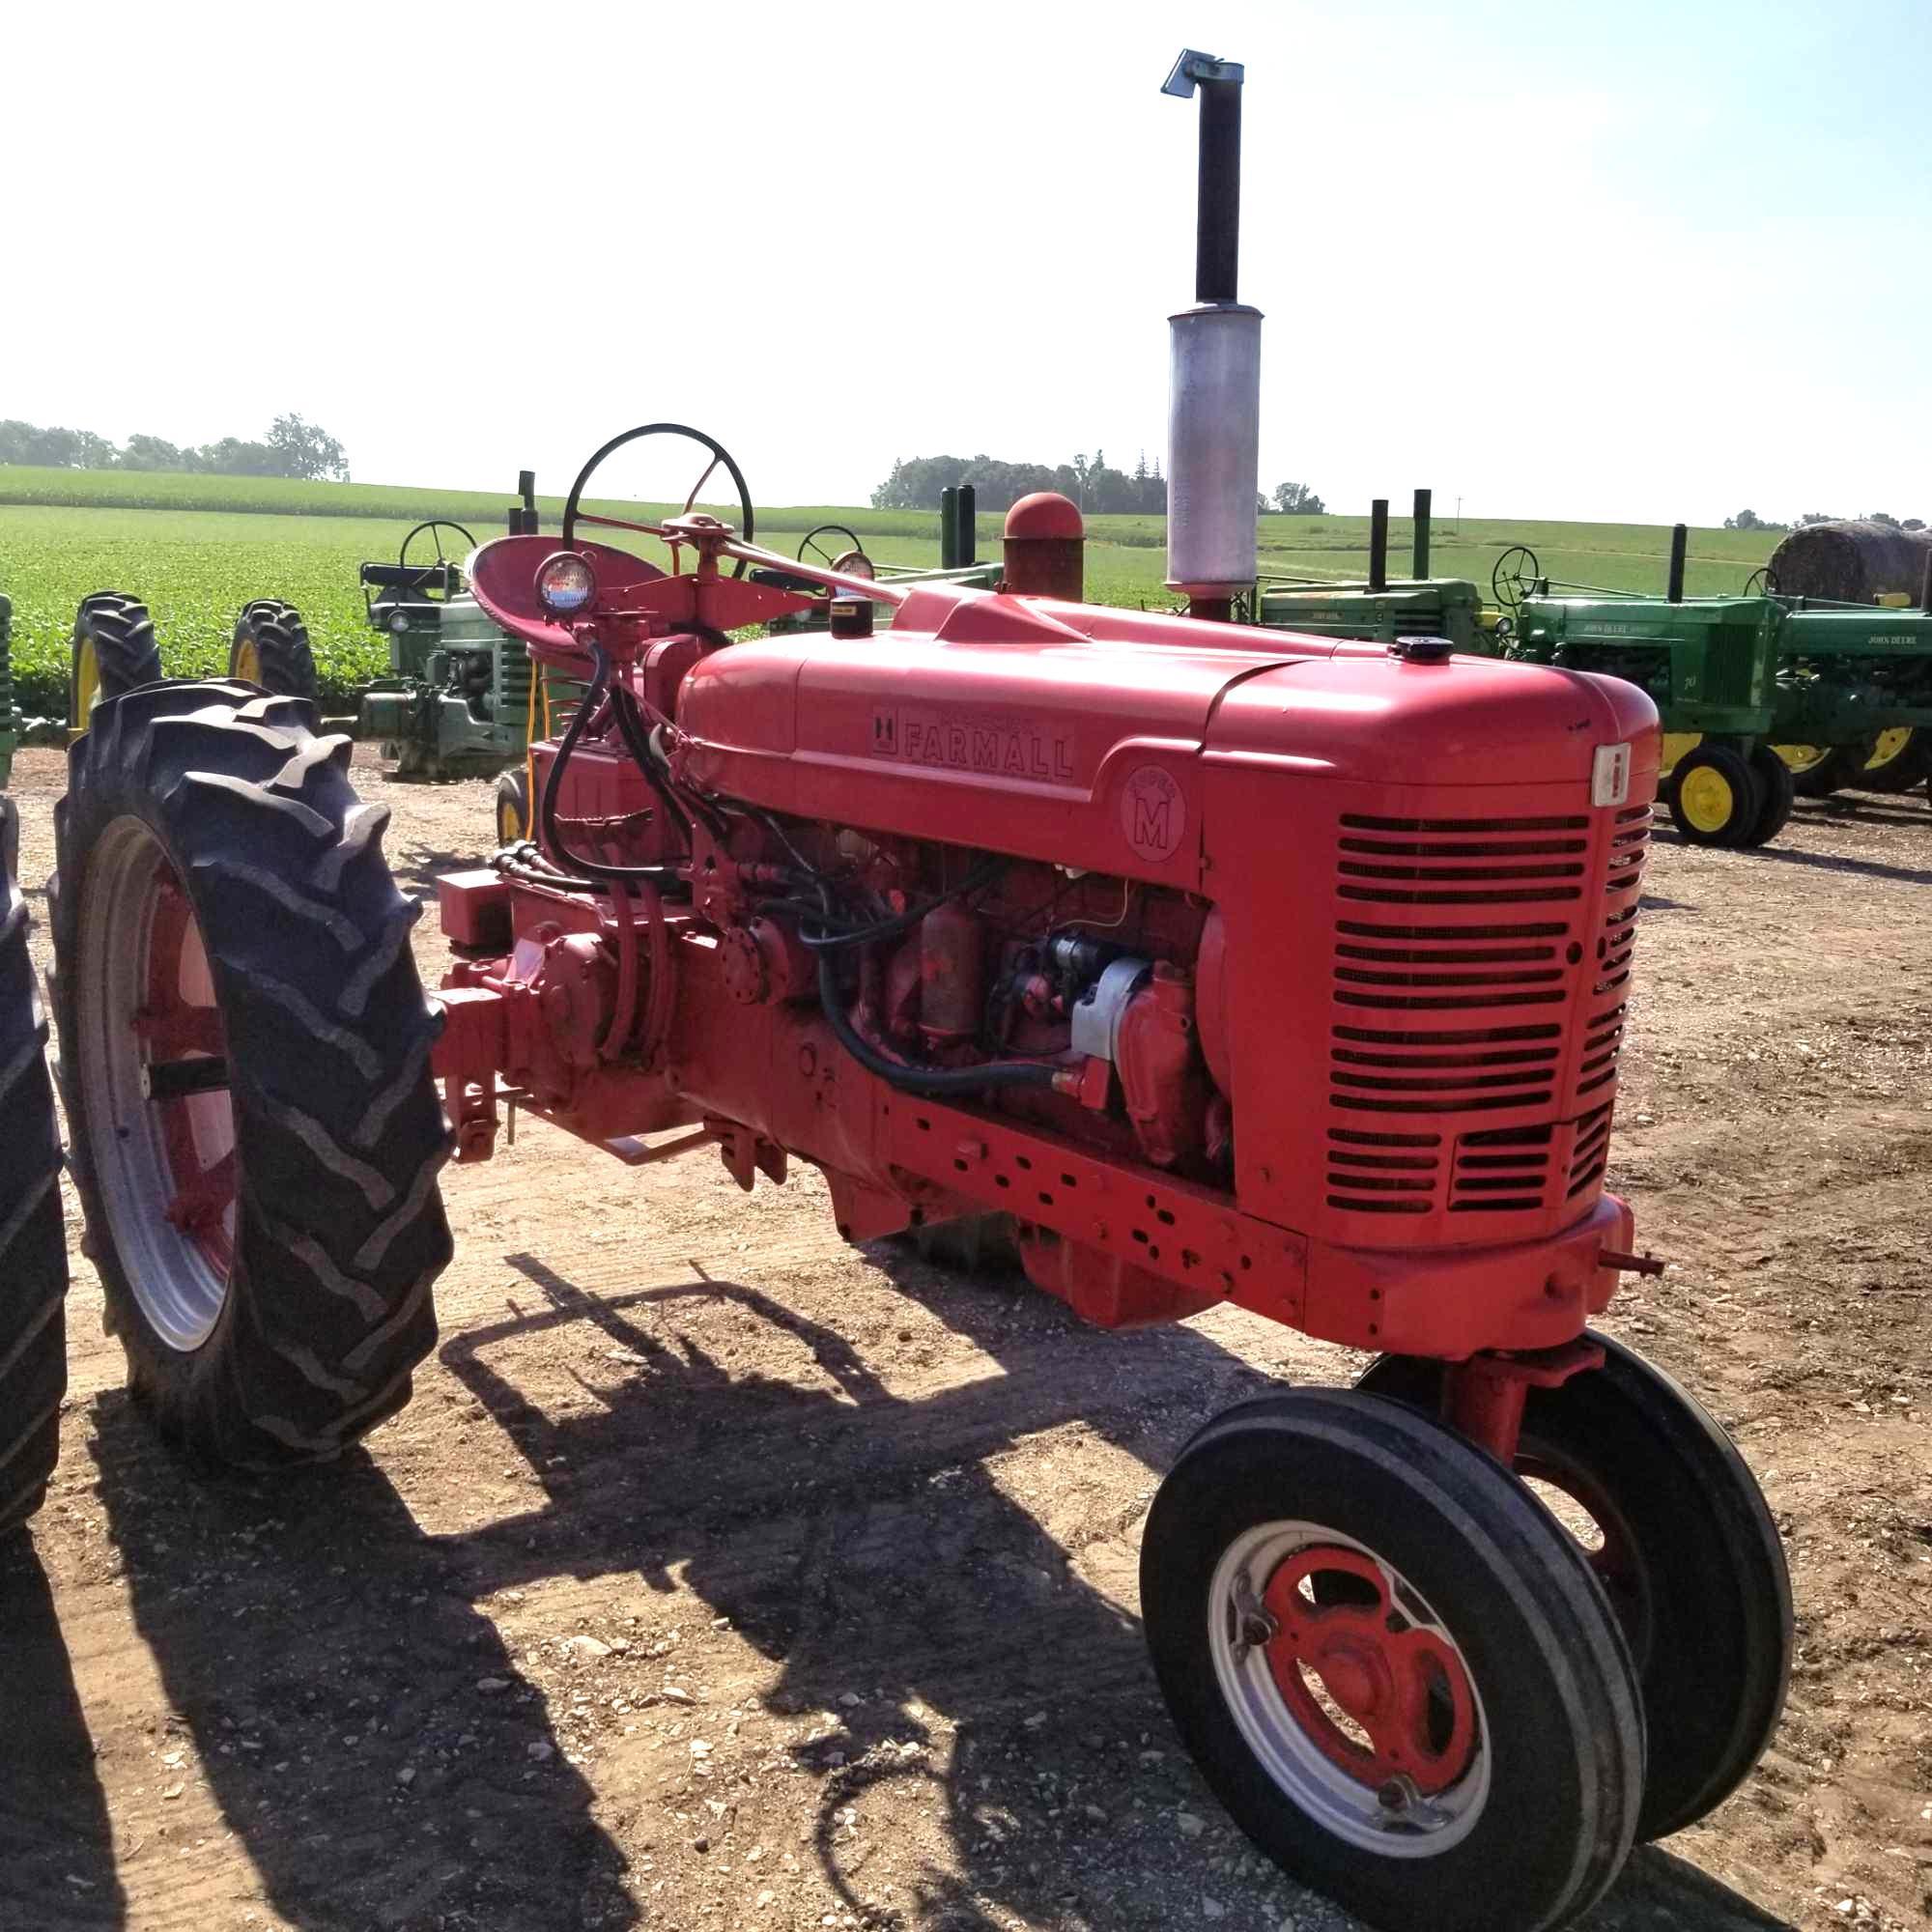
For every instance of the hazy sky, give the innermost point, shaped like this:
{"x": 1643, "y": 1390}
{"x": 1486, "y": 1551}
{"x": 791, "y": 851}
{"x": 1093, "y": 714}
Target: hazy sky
{"x": 1631, "y": 261}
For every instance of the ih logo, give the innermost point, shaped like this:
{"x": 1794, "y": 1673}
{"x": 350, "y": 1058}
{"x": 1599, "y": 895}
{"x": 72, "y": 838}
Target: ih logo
{"x": 1153, "y": 811}
{"x": 885, "y": 735}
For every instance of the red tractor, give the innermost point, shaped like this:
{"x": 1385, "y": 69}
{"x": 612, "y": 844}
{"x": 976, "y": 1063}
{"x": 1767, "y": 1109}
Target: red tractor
{"x": 1226, "y": 966}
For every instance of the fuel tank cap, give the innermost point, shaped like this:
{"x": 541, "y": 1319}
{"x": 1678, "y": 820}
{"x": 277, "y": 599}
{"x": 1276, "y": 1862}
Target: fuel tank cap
{"x": 1422, "y": 650}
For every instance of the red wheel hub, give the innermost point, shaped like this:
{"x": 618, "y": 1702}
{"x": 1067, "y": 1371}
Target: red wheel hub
{"x": 179, "y": 1025}
{"x": 1400, "y": 1686}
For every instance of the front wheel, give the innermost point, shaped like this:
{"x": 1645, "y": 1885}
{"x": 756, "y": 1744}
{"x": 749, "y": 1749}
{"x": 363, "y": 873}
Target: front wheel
{"x": 1676, "y": 1529}
{"x": 244, "y": 1052}
{"x": 1715, "y": 796}
{"x": 1392, "y": 1666}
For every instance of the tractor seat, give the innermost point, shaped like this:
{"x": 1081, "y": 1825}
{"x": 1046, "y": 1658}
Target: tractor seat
{"x": 417, "y": 577}
{"x": 785, "y": 580}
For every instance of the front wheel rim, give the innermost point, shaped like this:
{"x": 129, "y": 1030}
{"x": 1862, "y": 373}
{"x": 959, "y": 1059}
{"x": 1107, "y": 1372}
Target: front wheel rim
{"x": 1363, "y": 1711}
{"x": 1709, "y": 803}
{"x": 162, "y": 1146}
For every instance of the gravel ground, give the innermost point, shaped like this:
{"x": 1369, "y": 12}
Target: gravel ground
{"x": 721, "y": 1576}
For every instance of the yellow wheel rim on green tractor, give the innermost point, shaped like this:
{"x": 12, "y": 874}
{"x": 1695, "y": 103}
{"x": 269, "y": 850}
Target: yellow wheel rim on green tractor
{"x": 509, "y": 828}
{"x": 249, "y": 661}
{"x": 86, "y": 690}
{"x": 1707, "y": 800}
{"x": 1803, "y": 759}
{"x": 1891, "y": 745}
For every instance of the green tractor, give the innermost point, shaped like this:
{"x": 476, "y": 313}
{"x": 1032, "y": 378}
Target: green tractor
{"x": 456, "y": 702}
{"x": 839, "y": 547}
{"x": 1755, "y": 689}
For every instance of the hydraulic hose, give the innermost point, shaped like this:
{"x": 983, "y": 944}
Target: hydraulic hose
{"x": 934, "y": 1081}
{"x": 653, "y": 875}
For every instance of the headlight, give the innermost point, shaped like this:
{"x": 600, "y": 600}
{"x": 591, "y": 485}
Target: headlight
{"x": 565, "y": 583}
{"x": 399, "y": 622}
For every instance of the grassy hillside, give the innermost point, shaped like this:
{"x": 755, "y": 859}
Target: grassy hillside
{"x": 197, "y": 548}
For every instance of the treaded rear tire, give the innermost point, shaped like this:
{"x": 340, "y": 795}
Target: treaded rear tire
{"x": 281, "y": 641}
{"x": 339, "y": 1231}
{"x": 1911, "y": 767}
{"x": 33, "y": 1247}
{"x": 117, "y": 632}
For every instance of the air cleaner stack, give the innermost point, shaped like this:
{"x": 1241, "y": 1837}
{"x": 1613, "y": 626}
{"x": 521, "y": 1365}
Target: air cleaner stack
{"x": 1215, "y": 369}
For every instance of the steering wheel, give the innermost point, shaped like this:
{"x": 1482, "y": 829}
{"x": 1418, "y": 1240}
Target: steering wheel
{"x": 1516, "y": 577}
{"x": 572, "y": 516}
{"x": 1758, "y": 582}
{"x": 434, "y": 526}
{"x": 852, "y": 561}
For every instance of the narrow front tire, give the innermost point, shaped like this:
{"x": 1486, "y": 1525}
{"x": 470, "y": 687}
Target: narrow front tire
{"x": 1393, "y": 1668}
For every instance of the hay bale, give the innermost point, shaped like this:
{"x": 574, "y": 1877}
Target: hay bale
{"x": 1853, "y": 562}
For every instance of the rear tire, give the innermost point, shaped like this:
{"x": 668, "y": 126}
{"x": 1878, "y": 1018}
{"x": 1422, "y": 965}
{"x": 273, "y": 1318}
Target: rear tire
{"x": 269, "y": 1228}
{"x": 1715, "y": 797}
{"x": 271, "y": 648}
{"x": 513, "y": 806}
{"x": 33, "y": 1247}
{"x": 114, "y": 651}
{"x": 1895, "y": 766}
{"x": 1778, "y": 793}
{"x": 1817, "y": 771}
{"x": 1688, "y": 1556}
{"x": 1495, "y": 1782}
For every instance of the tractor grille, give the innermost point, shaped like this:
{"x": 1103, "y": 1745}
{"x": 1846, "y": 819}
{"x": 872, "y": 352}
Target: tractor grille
{"x": 513, "y": 686}
{"x": 1468, "y": 1073}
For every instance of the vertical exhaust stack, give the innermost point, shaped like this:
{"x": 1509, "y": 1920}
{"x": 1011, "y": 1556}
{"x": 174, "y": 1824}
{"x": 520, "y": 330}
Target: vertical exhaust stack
{"x": 1214, "y": 368}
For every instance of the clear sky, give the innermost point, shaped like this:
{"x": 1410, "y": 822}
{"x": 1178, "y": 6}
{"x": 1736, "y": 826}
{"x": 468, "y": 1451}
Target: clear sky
{"x": 1631, "y": 261}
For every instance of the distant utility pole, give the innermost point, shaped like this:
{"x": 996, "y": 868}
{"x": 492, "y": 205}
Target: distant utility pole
{"x": 1459, "y": 516}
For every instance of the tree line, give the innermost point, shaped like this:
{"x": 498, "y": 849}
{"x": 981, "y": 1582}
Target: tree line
{"x": 1096, "y": 486}
{"x": 291, "y": 447}
{"x": 1749, "y": 520}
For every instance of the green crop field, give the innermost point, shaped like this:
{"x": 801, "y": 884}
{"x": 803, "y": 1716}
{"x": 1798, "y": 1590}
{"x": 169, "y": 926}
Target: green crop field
{"x": 195, "y": 549}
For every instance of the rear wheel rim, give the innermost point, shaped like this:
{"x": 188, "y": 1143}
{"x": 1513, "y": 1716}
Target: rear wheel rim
{"x": 1363, "y": 1711}
{"x": 164, "y": 1166}
{"x": 86, "y": 686}
{"x": 1803, "y": 759}
{"x": 1890, "y": 746}
{"x": 248, "y": 660}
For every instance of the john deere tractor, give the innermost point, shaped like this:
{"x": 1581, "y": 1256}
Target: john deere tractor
{"x": 456, "y": 702}
{"x": 1762, "y": 695}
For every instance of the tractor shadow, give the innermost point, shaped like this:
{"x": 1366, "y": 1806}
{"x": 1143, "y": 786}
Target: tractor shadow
{"x": 316, "y": 1649}
{"x": 325, "y": 1654}
{"x": 56, "y": 1844}
{"x": 1822, "y": 861}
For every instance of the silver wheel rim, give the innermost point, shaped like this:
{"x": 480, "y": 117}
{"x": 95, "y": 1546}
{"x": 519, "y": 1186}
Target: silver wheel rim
{"x": 1303, "y": 1773}
{"x": 180, "y": 1292}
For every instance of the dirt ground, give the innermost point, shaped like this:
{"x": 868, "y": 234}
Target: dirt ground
{"x": 720, "y": 1576}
